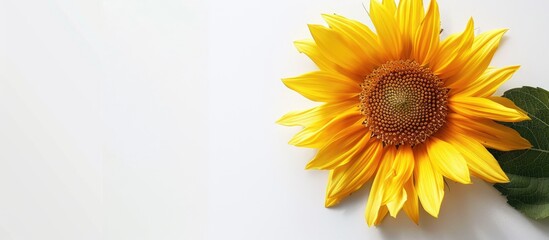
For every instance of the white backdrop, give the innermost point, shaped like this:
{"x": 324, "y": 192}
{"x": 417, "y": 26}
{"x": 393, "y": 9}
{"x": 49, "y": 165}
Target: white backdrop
{"x": 148, "y": 119}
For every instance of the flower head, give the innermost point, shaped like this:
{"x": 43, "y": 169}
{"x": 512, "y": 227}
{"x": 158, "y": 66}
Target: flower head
{"x": 402, "y": 107}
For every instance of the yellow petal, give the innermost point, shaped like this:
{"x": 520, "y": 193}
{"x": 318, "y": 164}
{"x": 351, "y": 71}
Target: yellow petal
{"x": 448, "y": 161}
{"x": 411, "y": 206}
{"x": 397, "y": 203}
{"x": 485, "y": 108}
{"x": 507, "y": 103}
{"x": 309, "y": 48}
{"x": 341, "y": 149}
{"x": 479, "y": 57}
{"x": 488, "y": 82}
{"x": 330, "y": 202}
{"x": 376, "y": 193}
{"x": 489, "y": 133}
{"x": 409, "y": 16}
{"x": 317, "y": 115}
{"x": 336, "y": 48}
{"x": 362, "y": 39}
{"x": 429, "y": 182}
{"x": 389, "y": 5}
{"x": 450, "y": 58}
{"x": 316, "y": 135}
{"x": 374, "y": 203}
{"x": 387, "y": 30}
{"x": 347, "y": 179}
{"x": 401, "y": 171}
{"x": 323, "y": 86}
{"x": 426, "y": 40}
{"x": 479, "y": 160}
{"x": 381, "y": 215}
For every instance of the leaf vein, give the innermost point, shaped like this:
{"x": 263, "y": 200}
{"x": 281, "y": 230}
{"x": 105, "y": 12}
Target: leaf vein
{"x": 532, "y": 116}
{"x": 539, "y": 150}
{"x": 539, "y": 100}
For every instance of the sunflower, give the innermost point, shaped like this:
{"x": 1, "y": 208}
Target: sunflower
{"x": 402, "y": 107}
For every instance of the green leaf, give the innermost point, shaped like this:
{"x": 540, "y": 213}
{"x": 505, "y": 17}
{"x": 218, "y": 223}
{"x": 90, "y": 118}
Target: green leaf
{"x": 528, "y": 170}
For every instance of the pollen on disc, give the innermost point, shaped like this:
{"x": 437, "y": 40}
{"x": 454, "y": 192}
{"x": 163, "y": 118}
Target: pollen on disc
{"x": 403, "y": 102}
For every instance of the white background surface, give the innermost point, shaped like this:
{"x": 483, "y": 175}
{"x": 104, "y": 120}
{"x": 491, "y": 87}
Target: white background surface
{"x": 147, "y": 119}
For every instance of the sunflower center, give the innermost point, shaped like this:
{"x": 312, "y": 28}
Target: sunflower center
{"x": 404, "y": 103}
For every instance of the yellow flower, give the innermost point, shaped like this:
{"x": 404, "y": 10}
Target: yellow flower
{"x": 402, "y": 107}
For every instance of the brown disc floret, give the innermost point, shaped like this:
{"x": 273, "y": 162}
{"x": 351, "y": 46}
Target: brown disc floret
{"x": 403, "y": 102}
